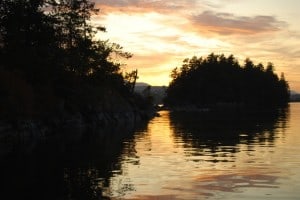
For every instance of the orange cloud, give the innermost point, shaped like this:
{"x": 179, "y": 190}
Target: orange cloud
{"x": 160, "y": 33}
{"x": 146, "y": 5}
{"x": 206, "y": 22}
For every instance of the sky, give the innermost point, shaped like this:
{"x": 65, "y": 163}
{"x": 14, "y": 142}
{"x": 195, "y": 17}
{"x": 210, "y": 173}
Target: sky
{"x": 161, "y": 33}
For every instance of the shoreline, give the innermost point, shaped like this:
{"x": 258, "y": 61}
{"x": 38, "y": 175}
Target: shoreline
{"x": 28, "y": 133}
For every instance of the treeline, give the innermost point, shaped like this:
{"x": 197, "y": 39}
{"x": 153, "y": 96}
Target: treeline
{"x": 50, "y": 58}
{"x": 218, "y": 79}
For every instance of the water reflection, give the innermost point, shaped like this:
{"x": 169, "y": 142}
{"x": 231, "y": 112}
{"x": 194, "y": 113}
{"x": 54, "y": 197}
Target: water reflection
{"x": 201, "y": 155}
{"x": 87, "y": 174}
{"x": 222, "y": 133}
{"x": 231, "y": 155}
{"x": 63, "y": 168}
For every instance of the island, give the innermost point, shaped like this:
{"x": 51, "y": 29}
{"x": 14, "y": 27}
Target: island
{"x": 218, "y": 80}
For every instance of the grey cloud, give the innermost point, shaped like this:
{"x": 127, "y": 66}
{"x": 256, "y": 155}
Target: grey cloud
{"x": 226, "y": 23}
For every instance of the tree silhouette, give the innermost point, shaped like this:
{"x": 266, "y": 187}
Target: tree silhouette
{"x": 27, "y": 38}
{"x": 51, "y": 45}
{"x": 130, "y": 78}
{"x": 218, "y": 79}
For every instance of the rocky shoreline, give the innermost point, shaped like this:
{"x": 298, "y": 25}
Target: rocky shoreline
{"x": 28, "y": 133}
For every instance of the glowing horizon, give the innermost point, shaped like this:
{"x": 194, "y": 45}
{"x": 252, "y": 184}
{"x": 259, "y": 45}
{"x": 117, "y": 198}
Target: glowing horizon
{"x": 161, "y": 33}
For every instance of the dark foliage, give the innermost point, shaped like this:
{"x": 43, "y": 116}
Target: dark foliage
{"x": 219, "y": 80}
{"x": 49, "y": 58}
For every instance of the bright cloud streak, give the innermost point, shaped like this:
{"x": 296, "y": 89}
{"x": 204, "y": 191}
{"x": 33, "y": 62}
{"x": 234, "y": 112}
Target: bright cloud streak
{"x": 161, "y": 33}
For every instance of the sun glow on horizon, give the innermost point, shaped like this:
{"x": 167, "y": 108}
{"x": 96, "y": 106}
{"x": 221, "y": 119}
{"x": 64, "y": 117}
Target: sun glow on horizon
{"x": 160, "y": 34}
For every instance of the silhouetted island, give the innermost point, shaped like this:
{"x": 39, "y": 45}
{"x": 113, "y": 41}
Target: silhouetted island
{"x": 218, "y": 80}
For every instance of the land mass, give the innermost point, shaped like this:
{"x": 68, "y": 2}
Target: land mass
{"x": 54, "y": 74}
{"x": 219, "y": 80}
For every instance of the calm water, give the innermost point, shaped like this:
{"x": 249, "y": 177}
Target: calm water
{"x": 252, "y": 155}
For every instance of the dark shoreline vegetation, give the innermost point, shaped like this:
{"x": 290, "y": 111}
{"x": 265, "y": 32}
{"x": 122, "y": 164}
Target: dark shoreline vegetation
{"x": 55, "y": 74}
{"x": 220, "y": 81}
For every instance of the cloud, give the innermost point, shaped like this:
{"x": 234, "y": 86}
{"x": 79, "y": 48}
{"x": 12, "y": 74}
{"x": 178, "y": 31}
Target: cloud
{"x": 207, "y": 22}
{"x": 227, "y": 24}
{"x": 147, "y": 5}
{"x": 167, "y": 4}
{"x": 160, "y": 33}
{"x": 164, "y": 5}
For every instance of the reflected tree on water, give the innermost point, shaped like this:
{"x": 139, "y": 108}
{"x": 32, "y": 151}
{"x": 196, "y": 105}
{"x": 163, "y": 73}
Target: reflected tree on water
{"x": 218, "y": 132}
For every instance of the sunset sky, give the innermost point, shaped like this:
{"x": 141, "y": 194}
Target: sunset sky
{"x": 161, "y": 33}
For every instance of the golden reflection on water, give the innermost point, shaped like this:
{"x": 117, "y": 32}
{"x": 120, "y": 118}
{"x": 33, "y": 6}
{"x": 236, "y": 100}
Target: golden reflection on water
{"x": 166, "y": 161}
